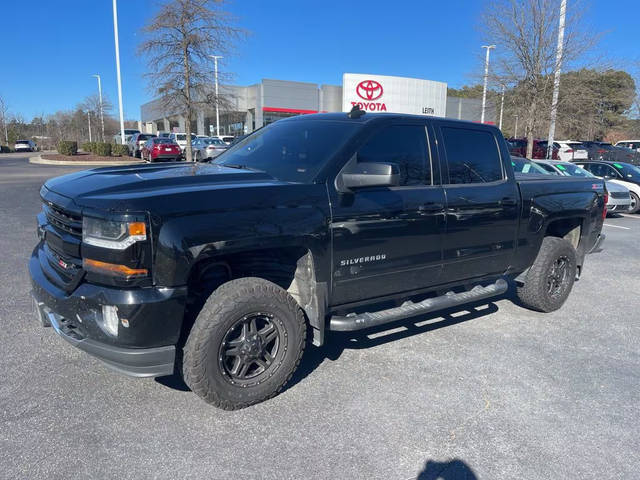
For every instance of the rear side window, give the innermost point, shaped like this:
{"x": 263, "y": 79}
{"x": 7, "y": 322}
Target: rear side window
{"x": 472, "y": 155}
{"x": 404, "y": 145}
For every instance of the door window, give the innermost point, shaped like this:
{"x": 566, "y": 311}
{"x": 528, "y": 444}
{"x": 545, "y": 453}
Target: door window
{"x": 404, "y": 145}
{"x": 472, "y": 155}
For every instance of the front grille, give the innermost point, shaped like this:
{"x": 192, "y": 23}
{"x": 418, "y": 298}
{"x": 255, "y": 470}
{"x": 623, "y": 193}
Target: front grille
{"x": 62, "y": 219}
{"x": 619, "y": 194}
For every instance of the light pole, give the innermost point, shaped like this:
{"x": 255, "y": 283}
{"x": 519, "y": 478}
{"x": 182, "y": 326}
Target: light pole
{"x": 215, "y": 69}
{"x": 515, "y": 132}
{"x": 100, "y": 95}
{"x": 89, "y": 117}
{"x": 115, "y": 34}
{"x": 501, "y": 108}
{"x": 486, "y": 77}
{"x": 556, "y": 79}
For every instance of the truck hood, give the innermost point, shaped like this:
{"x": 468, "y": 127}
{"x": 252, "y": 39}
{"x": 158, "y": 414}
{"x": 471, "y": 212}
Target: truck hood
{"x": 125, "y": 185}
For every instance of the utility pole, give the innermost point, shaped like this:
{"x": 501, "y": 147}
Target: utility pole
{"x": 215, "y": 69}
{"x": 115, "y": 34}
{"x": 501, "y": 108}
{"x": 89, "y": 117}
{"x": 101, "y": 113}
{"x": 556, "y": 79}
{"x": 486, "y": 78}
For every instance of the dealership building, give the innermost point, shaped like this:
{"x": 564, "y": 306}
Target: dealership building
{"x": 247, "y": 108}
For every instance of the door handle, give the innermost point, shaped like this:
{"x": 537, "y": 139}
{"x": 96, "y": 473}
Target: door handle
{"x": 431, "y": 207}
{"x": 508, "y": 202}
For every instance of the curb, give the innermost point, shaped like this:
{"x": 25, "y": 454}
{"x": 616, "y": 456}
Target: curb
{"x": 41, "y": 161}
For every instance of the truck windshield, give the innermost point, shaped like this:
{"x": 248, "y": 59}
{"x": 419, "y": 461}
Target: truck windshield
{"x": 292, "y": 151}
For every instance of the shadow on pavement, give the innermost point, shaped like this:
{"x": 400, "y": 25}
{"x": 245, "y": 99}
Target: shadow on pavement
{"x": 452, "y": 470}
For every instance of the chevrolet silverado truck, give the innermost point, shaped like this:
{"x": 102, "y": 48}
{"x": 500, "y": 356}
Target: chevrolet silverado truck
{"x": 223, "y": 272}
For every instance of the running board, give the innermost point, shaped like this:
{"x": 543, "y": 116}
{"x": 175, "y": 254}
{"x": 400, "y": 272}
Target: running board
{"x": 409, "y": 309}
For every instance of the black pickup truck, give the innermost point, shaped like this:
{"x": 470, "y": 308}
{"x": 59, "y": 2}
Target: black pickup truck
{"x": 221, "y": 271}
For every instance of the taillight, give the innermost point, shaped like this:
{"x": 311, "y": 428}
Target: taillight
{"x": 569, "y": 150}
{"x": 604, "y": 210}
{"x": 602, "y": 151}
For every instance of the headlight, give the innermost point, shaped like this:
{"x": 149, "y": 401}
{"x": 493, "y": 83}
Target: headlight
{"x": 112, "y": 234}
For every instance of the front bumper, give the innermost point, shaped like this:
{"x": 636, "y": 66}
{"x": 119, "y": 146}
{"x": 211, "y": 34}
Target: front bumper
{"x": 143, "y": 348}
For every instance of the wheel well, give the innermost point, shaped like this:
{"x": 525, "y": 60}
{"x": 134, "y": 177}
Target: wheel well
{"x": 290, "y": 268}
{"x": 567, "y": 228}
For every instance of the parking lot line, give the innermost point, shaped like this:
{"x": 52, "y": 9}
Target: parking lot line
{"x": 630, "y": 216}
{"x": 615, "y": 226}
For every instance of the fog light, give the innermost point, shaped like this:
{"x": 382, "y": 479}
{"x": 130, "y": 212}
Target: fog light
{"x": 110, "y": 319}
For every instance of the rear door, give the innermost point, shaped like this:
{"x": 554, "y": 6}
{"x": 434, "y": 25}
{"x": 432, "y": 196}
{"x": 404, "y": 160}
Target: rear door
{"x": 388, "y": 240}
{"x": 482, "y": 201}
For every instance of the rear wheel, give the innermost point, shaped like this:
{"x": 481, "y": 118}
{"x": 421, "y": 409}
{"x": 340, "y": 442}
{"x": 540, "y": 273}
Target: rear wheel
{"x": 635, "y": 203}
{"x": 550, "y": 279}
{"x": 245, "y": 344}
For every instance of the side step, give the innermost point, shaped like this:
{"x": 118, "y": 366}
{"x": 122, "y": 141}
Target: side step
{"x": 409, "y": 309}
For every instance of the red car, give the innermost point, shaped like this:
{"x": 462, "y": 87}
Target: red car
{"x": 159, "y": 148}
{"x": 518, "y": 148}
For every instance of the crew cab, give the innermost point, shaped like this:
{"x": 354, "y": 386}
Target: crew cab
{"x": 220, "y": 271}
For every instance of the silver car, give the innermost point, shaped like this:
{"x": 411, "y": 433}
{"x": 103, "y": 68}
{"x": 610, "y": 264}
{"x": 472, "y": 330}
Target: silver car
{"x": 619, "y": 197}
{"x": 205, "y": 149}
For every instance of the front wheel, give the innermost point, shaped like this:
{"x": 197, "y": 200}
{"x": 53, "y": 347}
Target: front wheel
{"x": 635, "y": 203}
{"x": 245, "y": 344}
{"x": 550, "y": 279}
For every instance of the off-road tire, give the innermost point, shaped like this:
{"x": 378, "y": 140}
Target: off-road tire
{"x": 226, "y": 306}
{"x": 635, "y": 201}
{"x": 535, "y": 293}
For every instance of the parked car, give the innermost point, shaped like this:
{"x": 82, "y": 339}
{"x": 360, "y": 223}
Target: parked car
{"x": 238, "y": 139}
{"x": 128, "y": 133}
{"x": 524, "y": 165}
{"x": 619, "y": 199}
{"x": 157, "y": 149}
{"x": 25, "y": 146}
{"x": 518, "y": 148}
{"x": 606, "y": 151}
{"x": 632, "y": 144}
{"x": 163, "y": 134}
{"x": 570, "y": 150}
{"x": 136, "y": 143}
{"x": 227, "y": 139}
{"x": 618, "y": 172}
{"x": 205, "y": 149}
{"x": 304, "y": 227}
{"x": 181, "y": 139}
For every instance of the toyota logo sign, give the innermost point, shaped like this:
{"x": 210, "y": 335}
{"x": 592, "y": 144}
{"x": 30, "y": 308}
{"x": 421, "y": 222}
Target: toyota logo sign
{"x": 369, "y": 90}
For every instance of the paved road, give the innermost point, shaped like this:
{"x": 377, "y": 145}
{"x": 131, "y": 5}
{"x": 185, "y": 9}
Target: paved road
{"x": 499, "y": 391}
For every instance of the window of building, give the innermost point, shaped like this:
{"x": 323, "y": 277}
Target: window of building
{"x": 404, "y": 145}
{"x": 472, "y": 155}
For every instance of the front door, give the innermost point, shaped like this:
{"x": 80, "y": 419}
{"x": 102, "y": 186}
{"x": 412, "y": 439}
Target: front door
{"x": 388, "y": 240}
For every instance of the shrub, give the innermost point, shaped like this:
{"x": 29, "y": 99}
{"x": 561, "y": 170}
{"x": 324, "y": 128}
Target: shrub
{"x": 118, "y": 150}
{"x": 67, "y": 148}
{"x": 103, "y": 149}
{"x": 89, "y": 146}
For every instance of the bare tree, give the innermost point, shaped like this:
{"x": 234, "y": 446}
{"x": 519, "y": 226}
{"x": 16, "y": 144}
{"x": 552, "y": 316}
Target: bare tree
{"x": 180, "y": 39}
{"x": 3, "y": 118}
{"x": 525, "y": 32}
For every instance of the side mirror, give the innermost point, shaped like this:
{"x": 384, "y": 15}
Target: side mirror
{"x": 362, "y": 175}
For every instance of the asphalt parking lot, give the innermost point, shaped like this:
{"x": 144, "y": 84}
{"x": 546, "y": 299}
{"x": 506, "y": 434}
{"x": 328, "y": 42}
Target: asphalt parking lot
{"x": 494, "y": 392}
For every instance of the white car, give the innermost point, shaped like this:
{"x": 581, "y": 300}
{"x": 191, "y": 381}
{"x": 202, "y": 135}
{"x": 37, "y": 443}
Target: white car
{"x": 181, "y": 139}
{"x": 227, "y": 139}
{"x": 207, "y": 148}
{"x": 25, "y": 146}
{"x": 619, "y": 196}
{"x": 570, "y": 151}
{"x": 621, "y": 173}
{"x": 632, "y": 144}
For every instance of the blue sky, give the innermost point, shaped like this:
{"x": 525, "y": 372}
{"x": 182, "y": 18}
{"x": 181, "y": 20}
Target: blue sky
{"x": 51, "y": 52}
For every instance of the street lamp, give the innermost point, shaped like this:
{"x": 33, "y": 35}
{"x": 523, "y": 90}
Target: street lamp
{"x": 100, "y": 94}
{"x": 89, "y": 118}
{"x": 556, "y": 79}
{"x": 215, "y": 69}
{"x": 115, "y": 34}
{"x": 501, "y": 108}
{"x": 486, "y": 77}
